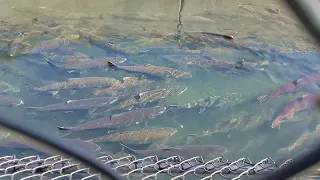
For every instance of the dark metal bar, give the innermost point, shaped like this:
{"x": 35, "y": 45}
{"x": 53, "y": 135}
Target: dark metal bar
{"x": 308, "y": 14}
{"x": 54, "y": 145}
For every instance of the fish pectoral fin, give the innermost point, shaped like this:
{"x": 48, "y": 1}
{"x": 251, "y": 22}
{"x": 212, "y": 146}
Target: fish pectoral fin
{"x": 53, "y": 93}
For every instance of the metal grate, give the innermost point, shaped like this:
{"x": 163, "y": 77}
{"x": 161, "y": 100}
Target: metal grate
{"x": 58, "y": 167}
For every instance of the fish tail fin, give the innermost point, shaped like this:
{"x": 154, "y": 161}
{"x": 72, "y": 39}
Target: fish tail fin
{"x": 127, "y": 148}
{"x": 52, "y": 65}
{"x": 262, "y": 98}
{"x": 30, "y": 87}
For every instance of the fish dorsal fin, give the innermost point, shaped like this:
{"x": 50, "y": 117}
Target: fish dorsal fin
{"x": 167, "y": 149}
{"x": 295, "y": 82}
{"x": 148, "y": 65}
{"x": 137, "y": 97}
{"x": 171, "y": 148}
{"x": 67, "y": 102}
{"x": 110, "y": 116}
{"x": 111, "y": 64}
{"x": 228, "y": 36}
{"x": 207, "y": 57}
{"x": 300, "y": 99}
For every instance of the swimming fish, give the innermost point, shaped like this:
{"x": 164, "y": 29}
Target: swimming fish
{"x": 77, "y": 83}
{"x": 149, "y": 96}
{"x": 188, "y": 151}
{"x": 205, "y": 62}
{"x": 102, "y": 43}
{"x": 292, "y": 87}
{"x": 15, "y": 43}
{"x": 80, "y": 104}
{"x": 49, "y": 45}
{"x": 127, "y": 82}
{"x": 146, "y": 136}
{"x": 307, "y": 101}
{"x": 9, "y": 101}
{"x": 85, "y": 63}
{"x": 151, "y": 70}
{"x": 124, "y": 119}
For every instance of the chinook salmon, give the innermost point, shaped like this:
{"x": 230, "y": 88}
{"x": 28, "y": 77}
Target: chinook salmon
{"x": 149, "y": 96}
{"x": 16, "y": 144}
{"x": 102, "y": 43}
{"x": 9, "y": 101}
{"x": 50, "y": 45}
{"x": 183, "y": 151}
{"x": 13, "y": 46}
{"x": 305, "y": 102}
{"x": 81, "y": 104}
{"x": 127, "y": 82}
{"x": 205, "y": 62}
{"x": 124, "y": 119}
{"x": 166, "y": 50}
{"x": 151, "y": 70}
{"x": 77, "y": 83}
{"x": 85, "y": 64}
{"x": 137, "y": 137}
{"x": 292, "y": 87}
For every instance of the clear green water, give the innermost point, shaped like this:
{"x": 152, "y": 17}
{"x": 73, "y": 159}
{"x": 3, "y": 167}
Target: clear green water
{"x": 145, "y": 26}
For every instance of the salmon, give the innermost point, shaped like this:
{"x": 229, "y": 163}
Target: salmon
{"x": 124, "y": 119}
{"x": 292, "y": 87}
{"x": 151, "y": 70}
{"x": 137, "y": 137}
{"x": 305, "y": 102}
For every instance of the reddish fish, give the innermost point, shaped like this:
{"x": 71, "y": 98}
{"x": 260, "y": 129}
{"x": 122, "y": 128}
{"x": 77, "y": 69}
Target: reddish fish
{"x": 305, "y": 102}
{"x": 291, "y": 87}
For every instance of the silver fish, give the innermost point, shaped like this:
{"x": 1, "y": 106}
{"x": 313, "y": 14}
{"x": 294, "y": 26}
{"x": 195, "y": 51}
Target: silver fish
{"x": 151, "y": 70}
{"x": 81, "y": 104}
{"x": 137, "y": 137}
{"x": 124, "y": 119}
{"x": 9, "y": 101}
{"x": 78, "y": 83}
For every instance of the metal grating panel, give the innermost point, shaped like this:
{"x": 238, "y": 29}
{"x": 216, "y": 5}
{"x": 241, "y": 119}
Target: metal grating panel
{"x": 57, "y": 167}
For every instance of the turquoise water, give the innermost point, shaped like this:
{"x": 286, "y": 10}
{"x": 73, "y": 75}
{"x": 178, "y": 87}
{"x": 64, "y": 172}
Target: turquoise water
{"x": 270, "y": 66}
